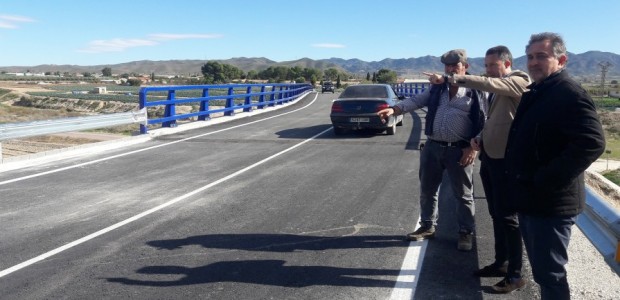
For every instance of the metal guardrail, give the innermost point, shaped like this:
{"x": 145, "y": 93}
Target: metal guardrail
{"x": 235, "y": 96}
{"x": 600, "y": 222}
{"x": 36, "y": 128}
{"x": 410, "y": 89}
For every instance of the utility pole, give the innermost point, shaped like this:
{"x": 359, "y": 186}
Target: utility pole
{"x": 604, "y": 67}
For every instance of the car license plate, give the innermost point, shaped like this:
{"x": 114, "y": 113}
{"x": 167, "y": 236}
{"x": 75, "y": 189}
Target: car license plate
{"x": 360, "y": 120}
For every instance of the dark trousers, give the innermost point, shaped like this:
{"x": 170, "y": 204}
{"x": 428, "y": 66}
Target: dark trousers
{"x": 508, "y": 243}
{"x": 546, "y": 242}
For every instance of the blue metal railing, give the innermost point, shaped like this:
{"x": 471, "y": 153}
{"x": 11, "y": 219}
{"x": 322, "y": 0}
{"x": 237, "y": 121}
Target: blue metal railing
{"x": 410, "y": 89}
{"x": 233, "y": 96}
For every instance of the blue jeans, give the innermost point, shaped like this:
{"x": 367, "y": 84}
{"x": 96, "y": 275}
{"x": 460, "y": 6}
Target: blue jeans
{"x": 546, "y": 242}
{"x": 434, "y": 160}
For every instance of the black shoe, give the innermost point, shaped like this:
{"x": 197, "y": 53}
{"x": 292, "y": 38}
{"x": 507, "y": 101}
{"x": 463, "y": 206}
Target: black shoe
{"x": 423, "y": 233}
{"x": 492, "y": 271}
{"x": 465, "y": 241}
{"x": 509, "y": 284}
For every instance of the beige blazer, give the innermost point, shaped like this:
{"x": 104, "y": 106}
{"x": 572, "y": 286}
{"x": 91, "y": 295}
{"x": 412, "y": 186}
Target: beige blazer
{"x": 507, "y": 96}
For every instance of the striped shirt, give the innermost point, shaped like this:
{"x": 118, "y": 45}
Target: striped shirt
{"x": 452, "y": 122}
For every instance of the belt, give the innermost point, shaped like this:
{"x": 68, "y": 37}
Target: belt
{"x": 459, "y": 144}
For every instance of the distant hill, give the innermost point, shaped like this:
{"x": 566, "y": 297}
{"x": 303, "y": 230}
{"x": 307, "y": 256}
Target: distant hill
{"x": 583, "y": 65}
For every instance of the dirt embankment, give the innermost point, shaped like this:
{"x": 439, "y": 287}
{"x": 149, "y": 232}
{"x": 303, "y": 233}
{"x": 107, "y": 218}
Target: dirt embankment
{"x": 604, "y": 188}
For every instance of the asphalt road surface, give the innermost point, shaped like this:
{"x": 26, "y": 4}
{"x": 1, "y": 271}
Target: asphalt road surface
{"x": 272, "y": 206}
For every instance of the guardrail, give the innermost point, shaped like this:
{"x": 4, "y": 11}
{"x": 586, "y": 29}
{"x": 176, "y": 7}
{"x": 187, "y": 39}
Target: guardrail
{"x": 251, "y": 96}
{"x": 36, "y": 128}
{"x": 234, "y": 97}
{"x": 410, "y": 89}
{"x": 600, "y": 222}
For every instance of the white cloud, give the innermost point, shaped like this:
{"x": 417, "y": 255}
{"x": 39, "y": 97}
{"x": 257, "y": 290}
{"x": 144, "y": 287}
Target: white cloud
{"x": 12, "y": 22}
{"x": 173, "y": 36}
{"x": 326, "y": 45}
{"x": 119, "y": 45}
{"x": 116, "y": 45}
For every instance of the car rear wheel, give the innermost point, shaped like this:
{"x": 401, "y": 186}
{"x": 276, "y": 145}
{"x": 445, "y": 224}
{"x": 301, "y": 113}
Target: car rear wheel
{"x": 338, "y": 131}
{"x": 392, "y": 129}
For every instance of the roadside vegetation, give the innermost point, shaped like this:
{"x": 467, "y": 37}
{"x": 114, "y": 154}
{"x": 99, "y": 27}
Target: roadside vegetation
{"x": 613, "y": 176}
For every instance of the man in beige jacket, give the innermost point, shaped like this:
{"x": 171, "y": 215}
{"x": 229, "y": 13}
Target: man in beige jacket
{"x": 505, "y": 87}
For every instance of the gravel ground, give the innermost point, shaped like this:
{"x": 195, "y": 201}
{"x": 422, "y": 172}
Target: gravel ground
{"x": 589, "y": 276}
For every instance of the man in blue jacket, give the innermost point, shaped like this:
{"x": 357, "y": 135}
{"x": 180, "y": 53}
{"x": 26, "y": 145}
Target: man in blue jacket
{"x": 555, "y": 136}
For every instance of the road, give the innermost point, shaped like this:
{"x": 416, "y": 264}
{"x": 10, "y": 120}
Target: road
{"x": 272, "y": 206}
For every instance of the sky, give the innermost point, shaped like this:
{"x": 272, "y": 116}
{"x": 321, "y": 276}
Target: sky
{"x": 78, "y": 32}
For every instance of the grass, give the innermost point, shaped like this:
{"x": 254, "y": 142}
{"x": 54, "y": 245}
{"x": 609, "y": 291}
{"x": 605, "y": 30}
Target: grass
{"x": 13, "y": 114}
{"x": 612, "y": 149}
{"x": 4, "y": 92}
{"x": 606, "y": 102}
{"x": 613, "y": 176}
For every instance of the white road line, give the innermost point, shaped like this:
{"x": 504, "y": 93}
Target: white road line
{"x": 150, "y": 211}
{"x": 148, "y": 148}
{"x": 407, "y": 280}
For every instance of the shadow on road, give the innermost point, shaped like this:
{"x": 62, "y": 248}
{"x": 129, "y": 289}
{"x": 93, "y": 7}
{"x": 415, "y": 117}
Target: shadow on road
{"x": 271, "y": 271}
{"x": 266, "y": 272}
{"x": 281, "y": 242}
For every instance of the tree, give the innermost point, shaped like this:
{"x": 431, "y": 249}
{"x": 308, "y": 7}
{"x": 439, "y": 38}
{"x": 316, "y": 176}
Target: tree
{"x": 153, "y": 77}
{"x": 386, "y": 76}
{"x": 374, "y": 77}
{"x": 252, "y": 75}
{"x": 295, "y": 72}
{"x": 312, "y": 73}
{"x": 338, "y": 82}
{"x": 231, "y": 72}
{"x": 300, "y": 80}
{"x": 368, "y": 76}
{"x": 331, "y": 73}
{"x": 107, "y": 71}
{"x": 213, "y": 72}
{"x": 313, "y": 79}
{"x": 134, "y": 82}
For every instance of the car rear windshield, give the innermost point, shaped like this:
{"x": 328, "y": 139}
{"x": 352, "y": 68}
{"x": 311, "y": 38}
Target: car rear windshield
{"x": 365, "y": 92}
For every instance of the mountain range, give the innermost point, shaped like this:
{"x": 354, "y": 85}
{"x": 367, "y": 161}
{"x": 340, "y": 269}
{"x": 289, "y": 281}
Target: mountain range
{"x": 581, "y": 65}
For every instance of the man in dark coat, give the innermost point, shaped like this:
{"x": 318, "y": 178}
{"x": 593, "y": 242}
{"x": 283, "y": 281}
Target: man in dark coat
{"x": 555, "y": 136}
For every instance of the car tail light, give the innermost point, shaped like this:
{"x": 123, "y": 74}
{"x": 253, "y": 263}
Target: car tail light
{"x": 382, "y": 106}
{"x": 337, "y": 108}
